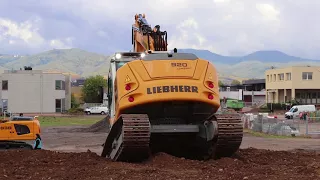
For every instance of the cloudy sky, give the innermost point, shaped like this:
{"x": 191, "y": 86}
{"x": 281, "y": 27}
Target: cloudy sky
{"x": 227, "y": 27}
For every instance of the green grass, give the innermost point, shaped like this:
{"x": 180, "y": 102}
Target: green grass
{"x": 259, "y": 134}
{"x": 68, "y": 121}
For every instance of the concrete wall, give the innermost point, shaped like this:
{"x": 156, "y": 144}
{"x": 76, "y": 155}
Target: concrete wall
{"x": 273, "y": 81}
{"x": 259, "y": 99}
{"x": 68, "y": 92}
{"x": 296, "y": 81}
{"x": 32, "y": 91}
{"x": 299, "y": 83}
{"x": 280, "y": 88}
{"x": 229, "y": 94}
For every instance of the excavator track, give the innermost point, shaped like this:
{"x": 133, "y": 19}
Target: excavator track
{"x": 132, "y": 140}
{"x": 8, "y": 145}
{"x": 129, "y": 138}
{"x": 230, "y": 134}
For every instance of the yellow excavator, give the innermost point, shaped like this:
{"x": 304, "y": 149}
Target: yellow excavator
{"x": 19, "y": 132}
{"x": 165, "y": 101}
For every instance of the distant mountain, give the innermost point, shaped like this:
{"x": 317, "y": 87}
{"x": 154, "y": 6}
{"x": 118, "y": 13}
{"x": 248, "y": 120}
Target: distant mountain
{"x": 82, "y": 63}
{"x": 75, "y": 61}
{"x": 271, "y": 56}
{"x": 262, "y": 56}
{"x": 252, "y": 65}
{"x": 5, "y": 58}
{"x": 213, "y": 57}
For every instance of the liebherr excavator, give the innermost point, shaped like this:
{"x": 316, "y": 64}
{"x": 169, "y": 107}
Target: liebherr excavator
{"x": 164, "y": 101}
{"x": 19, "y": 132}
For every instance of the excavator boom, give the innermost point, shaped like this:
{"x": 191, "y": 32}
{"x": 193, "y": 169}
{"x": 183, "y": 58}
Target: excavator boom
{"x": 144, "y": 38}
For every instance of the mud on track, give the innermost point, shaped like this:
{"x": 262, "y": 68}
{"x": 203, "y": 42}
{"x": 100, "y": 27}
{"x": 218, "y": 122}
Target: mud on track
{"x": 247, "y": 164}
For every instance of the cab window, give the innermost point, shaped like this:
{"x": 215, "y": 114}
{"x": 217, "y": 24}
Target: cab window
{"x": 120, "y": 64}
{"x": 293, "y": 109}
{"x": 109, "y": 89}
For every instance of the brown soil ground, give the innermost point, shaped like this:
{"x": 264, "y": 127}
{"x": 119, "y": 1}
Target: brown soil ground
{"x": 79, "y": 149}
{"x": 248, "y": 164}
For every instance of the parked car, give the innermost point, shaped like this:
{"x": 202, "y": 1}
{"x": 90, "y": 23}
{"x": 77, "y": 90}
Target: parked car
{"x": 96, "y": 110}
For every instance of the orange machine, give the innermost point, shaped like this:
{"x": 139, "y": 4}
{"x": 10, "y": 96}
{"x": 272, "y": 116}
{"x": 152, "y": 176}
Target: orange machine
{"x": 163, "y": 101}
{"x": 20, "y": 132}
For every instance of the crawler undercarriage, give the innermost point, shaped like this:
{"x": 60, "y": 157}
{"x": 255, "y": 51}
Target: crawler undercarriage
{"x": 134, "y": 137}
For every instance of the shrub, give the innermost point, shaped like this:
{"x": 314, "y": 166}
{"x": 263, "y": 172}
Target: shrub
{"x": 75, "y": 110}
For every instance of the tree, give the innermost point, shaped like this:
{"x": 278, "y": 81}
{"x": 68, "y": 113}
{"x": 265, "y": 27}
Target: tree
{"x": 92, "y": 90}
{"x": 235, "y": 82}
{"x": 220, "y": 83}
{"x": 74, "y": 103}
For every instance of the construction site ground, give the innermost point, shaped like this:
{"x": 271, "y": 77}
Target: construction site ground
{"x": 72, "y": 152}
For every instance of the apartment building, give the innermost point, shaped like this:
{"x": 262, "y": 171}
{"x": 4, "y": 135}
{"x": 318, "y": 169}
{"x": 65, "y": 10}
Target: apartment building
{"x": 297, "y": 82}
{"x": 34, "y": 91}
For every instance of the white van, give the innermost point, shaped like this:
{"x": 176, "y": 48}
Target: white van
{"x": 295, "y": 110}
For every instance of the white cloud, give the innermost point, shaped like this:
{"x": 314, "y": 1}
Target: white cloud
{"x": 26, "y": 34}
{"x": 229, "y": 27}
{"x": 60, "y": 44}
{"x": 221, "y": 1}
{"x": 268, "y": 12}
{"x": 22, "y": 31}
{"x": 103, "y": 34}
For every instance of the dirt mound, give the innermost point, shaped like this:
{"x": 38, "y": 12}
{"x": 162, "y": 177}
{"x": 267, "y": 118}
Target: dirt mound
{"x": 248, "y": 164}
{"x": 100, "y": 126}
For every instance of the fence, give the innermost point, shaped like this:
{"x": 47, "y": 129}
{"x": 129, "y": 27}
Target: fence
{"x": 285, "y": 127}
{"x": 313, "y": 126}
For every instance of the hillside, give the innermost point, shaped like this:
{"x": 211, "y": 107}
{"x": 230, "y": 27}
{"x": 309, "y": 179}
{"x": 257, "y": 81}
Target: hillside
{"x": 82, "y": 63}
{"x": 75, "y": 61}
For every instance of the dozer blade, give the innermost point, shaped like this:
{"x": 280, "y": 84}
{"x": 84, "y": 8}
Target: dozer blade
{"x": 128, "y": 139}
{"x": 230, "y": 134}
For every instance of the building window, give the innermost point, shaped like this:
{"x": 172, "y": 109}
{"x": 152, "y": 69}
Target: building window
{"x": 60, "y": 85}
{"x": 58, "y": 105}
{"x": 288, "y": 76}
{"x": 5, "y": 85}
{"x": 268, "y": 78}
{"x": 274, "y": 77}
{"x": 63, "y": 85}
{"x": 281, "y": 76}
{"x": 308, "y": 95}
{"x": 307, "y": 75}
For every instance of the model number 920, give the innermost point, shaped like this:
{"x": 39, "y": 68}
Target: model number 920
{"x": 179, "y": 65}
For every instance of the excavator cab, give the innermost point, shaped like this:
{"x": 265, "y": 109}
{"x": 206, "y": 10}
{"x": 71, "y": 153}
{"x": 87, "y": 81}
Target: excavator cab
{"x": 118, "y": 60}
